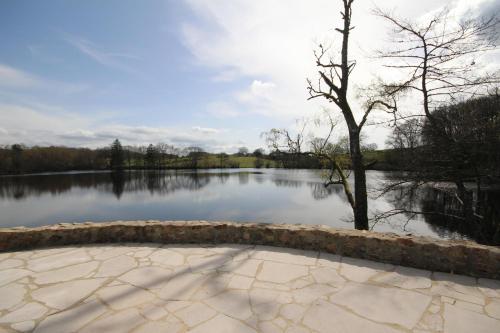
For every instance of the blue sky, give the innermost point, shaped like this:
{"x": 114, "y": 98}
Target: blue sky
{"x": 188, "y": 72}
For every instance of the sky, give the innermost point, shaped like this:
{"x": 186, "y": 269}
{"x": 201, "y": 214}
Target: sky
{"x": 207, "y": 73}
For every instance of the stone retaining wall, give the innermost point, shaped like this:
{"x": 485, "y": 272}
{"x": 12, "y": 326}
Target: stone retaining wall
{"x": 460, "y": 257}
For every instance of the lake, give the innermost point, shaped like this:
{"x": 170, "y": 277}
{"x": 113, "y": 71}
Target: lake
{"x": 245, "y": 195}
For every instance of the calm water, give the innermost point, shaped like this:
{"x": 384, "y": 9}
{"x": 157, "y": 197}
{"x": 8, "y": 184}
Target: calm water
{"x": 248, "y": 195}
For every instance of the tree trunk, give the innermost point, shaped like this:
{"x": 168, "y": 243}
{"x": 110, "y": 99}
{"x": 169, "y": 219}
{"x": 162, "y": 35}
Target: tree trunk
{"x": 361, "y": 202}
{"x": 467, "y": 201}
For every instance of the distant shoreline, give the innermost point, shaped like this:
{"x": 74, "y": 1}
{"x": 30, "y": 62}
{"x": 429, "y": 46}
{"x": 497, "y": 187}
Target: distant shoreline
{"x": 80, "y": 171}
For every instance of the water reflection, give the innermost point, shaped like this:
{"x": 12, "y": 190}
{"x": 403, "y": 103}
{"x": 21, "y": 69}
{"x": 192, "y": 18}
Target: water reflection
{"x": 270, "y": 195}
{"x": 444, "y": 214}
{"x": 318, "y": 190}
{"x": 155, "y": 182}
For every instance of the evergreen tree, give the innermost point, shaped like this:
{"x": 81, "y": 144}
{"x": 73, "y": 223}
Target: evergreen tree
{"x": 17, "y": 157}
{"x": 151, "y": 156}
{"x": 117, "y": 155}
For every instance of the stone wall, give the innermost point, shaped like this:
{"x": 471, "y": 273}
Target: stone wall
{"x": 460, "y": 257}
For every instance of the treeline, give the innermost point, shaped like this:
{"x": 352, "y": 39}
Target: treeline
{"x": 21, "y": 159}
{"x": 459, "y": 143}
{"x": 18, "y": 159}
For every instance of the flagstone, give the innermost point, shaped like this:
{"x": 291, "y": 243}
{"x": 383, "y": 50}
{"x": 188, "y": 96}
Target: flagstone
{"x": 240, "y": 282}
{"x": 116, "y": 266}
{"x": 327, "y": 275}
{"x": 406, "y": 278}
{"x": 66, "y": 273}
{"x": 458, "y": 320}
{"x": 63, "y": 295}
{"x": 222, "y": 324}
{"x": 154, "y": 312}
{"x": 291, "y": 256}
{"x": 207, "y": 263}
{"x": 167, "y": 257}
{"x": 160, "y": 327}
{"x": 72, "y": 319}
{"x": 196, "y": 314}
{"x": 297, "y": 329}
{"x": 329, "y": 260}
{"x": 381, "y": 304}
{"x": 181, "y": 287}
{"x": 112, "y": 251}
{"x": 13, "y": 274}
{"x": 124, "y": 296}
{"x": 234, "y": 303}
{"x": 265, "y": 303}
{"x": 493, "y": 308}
{"x": 432, "y": 322}
{"x": 446, "y": 290}
{"x": 58, "y": 260}
{"x": 11, "y": 295}
{"x": 11, "y": 263}
{"x": 312, "y": 292}
{"x": 281, "y": 273}
{"x": 280, "y": 322}
{"x": 360, "y": 270}
{"x": 233, "y": 288}
{"x": 174, "y": 306}
{"x": 123, "y": 321}
{"x": 213, "y": 285}
{"x": 469, "y": 306}
{"x": 24, "y": 326}
{"x": 271, "y": 285}
{"x": 29, "y": 311}
{"x": 293, "y": 312}
{"x": 269, "y": 327}
{"x": 50, "y": 251}
{"x": 150, "y": 277}
{"x": 325, "y": 317}
{"x": 247, "y": 267}
{"x": 143, "y": 253}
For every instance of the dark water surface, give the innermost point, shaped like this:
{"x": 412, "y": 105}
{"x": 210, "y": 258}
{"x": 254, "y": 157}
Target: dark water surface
{"x": 247, "y": 195}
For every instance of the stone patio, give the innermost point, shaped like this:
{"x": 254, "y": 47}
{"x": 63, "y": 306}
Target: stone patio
{"x": 232, "y": 288}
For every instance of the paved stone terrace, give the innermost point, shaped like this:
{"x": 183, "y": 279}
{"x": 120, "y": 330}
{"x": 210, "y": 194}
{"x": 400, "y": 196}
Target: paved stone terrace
{"x": 232, "y": 288}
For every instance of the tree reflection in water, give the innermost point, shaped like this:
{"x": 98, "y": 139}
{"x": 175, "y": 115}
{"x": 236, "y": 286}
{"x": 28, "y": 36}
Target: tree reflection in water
{"x": 442, "y": 211}
{"x": 156, "y": 182}
{"x": 261, "y": 200}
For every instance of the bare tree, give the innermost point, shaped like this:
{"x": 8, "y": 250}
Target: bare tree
{"x": 242, "y": 151}
{"x": 405, "y": 135}
{"x": 279, "y": 139}
{"x": 223, "y": 157}
{"x": 439, "y": 57}
{"x": 333, "y": 85}
{"x": 164, "y": 150}
{"x": 283, "y": 142}
{"x": 440, "y": 61}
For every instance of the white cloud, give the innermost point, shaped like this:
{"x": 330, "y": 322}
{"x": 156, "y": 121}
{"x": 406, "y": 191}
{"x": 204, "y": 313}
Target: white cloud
{"x": 205, "y": 130}
{"x": 271, "y": 43}
{"x": 11, "y": 77}
{"x": 260, "y": 98}
{"x": 265, "y": 41}
{"x": 106, "y": 58}
{"x": 16, "y": 79}
{"x": 222, "y": 110}
{"x": 225, "y": 76}
{"x": 38, "y": 125}
{"x": 258, "y": 91}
